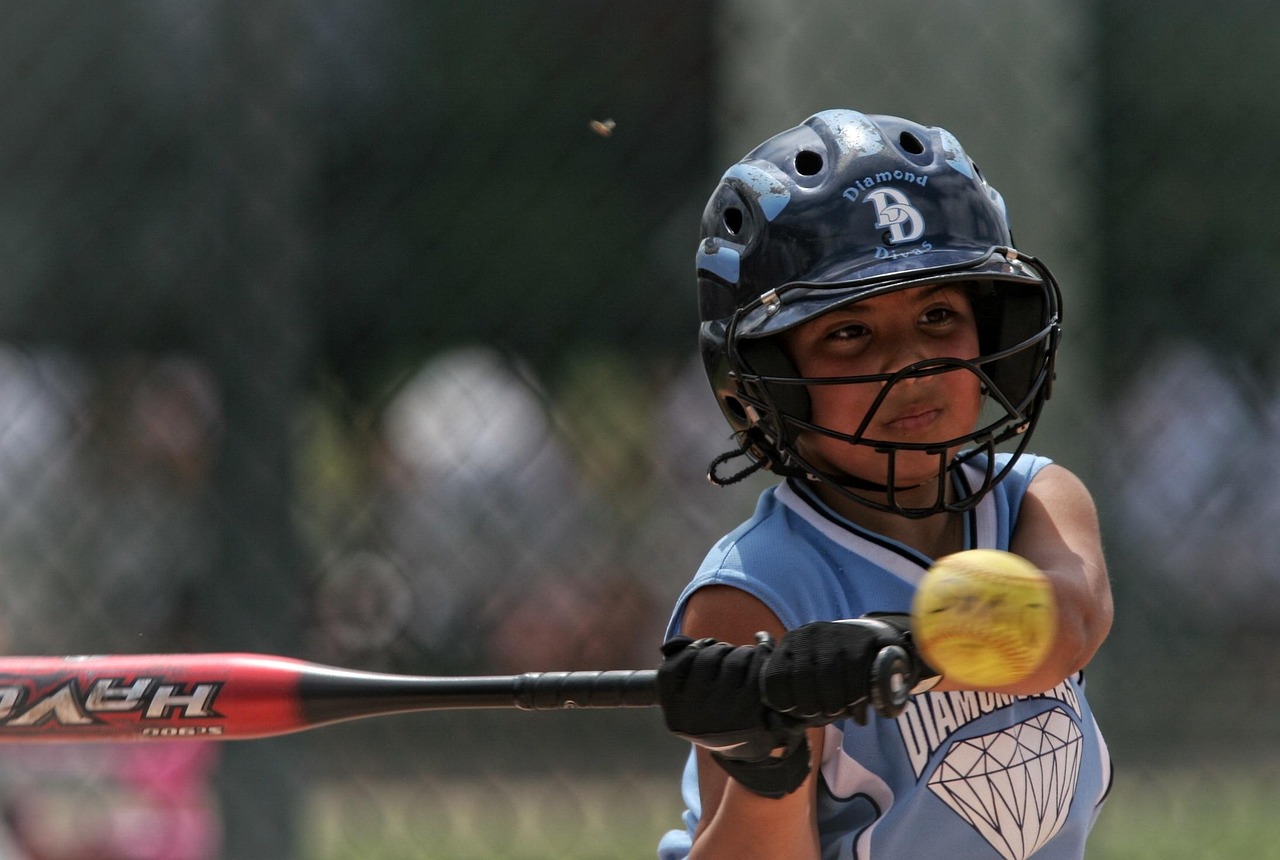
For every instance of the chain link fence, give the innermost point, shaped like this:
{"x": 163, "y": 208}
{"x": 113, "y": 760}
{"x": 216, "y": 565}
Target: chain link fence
{"x": 363, "y": 332}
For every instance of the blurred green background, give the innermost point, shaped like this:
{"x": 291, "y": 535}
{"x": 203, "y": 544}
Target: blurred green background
{"x": 337, "y": 329}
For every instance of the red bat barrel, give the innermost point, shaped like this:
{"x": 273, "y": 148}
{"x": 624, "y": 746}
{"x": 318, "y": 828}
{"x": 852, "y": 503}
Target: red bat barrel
{"x": 238, "y": 696}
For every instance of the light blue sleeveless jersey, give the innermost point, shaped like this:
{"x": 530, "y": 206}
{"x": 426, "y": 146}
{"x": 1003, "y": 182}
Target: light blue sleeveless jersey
{"x": 982, "y": 775}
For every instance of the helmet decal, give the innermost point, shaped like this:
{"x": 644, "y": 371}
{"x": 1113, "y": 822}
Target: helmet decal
{"x": 895, "y": 213}
{"x": 855, "y": 133}
{"x": 955, "y": 153}
{"x": 719, "y": 260}
{"x": 770, "y": 192}
{"x": 860, "y": 185}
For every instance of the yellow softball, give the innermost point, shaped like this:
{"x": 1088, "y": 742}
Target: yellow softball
{"x": 984, "y": 617}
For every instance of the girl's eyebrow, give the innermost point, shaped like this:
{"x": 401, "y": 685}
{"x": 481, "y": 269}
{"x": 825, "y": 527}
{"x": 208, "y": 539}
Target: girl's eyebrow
{"x": 934, "y": 289}
{"x": 858, "y": 309}
{"x": 925, "y": 293}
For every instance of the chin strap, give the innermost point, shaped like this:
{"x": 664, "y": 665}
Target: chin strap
{"x": 719, "y": 480}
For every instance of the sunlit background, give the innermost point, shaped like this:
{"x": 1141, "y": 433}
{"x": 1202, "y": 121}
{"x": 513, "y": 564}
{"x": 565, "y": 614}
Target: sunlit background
{"x": 364, "y": 331}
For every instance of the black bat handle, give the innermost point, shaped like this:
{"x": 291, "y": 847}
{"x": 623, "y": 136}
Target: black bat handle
{"x": 549, "y": 691}
{"x": 891, "y": 681}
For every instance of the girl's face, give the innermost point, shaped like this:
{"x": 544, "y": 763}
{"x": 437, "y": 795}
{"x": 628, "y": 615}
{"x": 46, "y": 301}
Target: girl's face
{"x": 883, "y": 335}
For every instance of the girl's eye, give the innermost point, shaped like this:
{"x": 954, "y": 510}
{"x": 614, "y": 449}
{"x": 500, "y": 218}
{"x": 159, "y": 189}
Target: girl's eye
{"x": 851, "y": 331}
{"x": 939, "y": 315}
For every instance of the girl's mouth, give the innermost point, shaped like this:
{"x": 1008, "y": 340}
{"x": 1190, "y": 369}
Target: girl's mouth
{"x": 914, "y": 421}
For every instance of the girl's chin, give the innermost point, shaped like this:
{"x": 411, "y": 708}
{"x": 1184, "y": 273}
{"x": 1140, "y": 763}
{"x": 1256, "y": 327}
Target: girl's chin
{"x": 910, "y": 468}
{"x": 905, "y": 474}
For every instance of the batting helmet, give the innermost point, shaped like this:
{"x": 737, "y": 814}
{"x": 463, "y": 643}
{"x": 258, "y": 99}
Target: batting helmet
{"x": 844, "y": 207}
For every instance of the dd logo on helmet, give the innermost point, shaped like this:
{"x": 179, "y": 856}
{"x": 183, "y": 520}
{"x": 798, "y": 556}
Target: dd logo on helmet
{"x": 895, "y": 213}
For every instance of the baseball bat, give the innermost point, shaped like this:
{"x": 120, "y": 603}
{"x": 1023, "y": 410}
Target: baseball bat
{"x": 240, "y": 696}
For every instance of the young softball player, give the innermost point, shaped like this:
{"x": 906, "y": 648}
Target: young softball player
{"x": 875, "y": 339}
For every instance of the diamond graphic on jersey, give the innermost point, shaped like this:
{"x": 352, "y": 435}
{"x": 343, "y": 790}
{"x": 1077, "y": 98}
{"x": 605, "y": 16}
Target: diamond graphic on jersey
{"x": 1014, "y": 786}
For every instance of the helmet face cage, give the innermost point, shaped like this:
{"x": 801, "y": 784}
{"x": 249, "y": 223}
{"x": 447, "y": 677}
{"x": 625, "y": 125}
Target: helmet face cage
{"x": 844, "y": 208}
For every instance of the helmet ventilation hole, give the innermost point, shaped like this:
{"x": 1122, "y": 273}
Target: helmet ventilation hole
{"x": 910, "y": 143}
{"x": 736, "y": 409}
{"x": 808, "y": 163}
{"x": 733, "y": 220}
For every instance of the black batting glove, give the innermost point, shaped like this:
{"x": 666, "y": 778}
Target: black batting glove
{"x": 711, "y": 695}
{"x": 828, "y": 670}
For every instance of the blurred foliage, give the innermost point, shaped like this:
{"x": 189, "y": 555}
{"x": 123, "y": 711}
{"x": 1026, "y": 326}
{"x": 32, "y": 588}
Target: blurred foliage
{"x": 1188, "y": 202}
{"x": 438, "y": 189}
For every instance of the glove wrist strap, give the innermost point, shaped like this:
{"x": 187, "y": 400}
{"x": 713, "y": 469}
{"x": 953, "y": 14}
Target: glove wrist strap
{"x": 770, "y": 777}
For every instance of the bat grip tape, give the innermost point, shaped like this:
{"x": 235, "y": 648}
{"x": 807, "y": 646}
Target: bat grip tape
{"x": 545, "y": 691}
